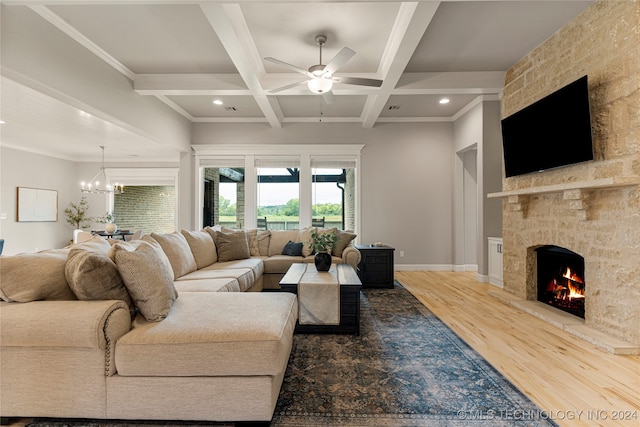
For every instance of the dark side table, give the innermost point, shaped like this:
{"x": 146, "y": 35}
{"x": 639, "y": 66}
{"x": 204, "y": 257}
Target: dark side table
{"x": 376, "y": 266}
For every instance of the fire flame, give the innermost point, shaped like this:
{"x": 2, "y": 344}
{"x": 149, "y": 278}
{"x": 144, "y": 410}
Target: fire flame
{"x": 572, "y": 276}
{"x": 575, "y": 291}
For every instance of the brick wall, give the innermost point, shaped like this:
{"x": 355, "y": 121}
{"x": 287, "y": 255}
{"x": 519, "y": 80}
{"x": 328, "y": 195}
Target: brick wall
{"x": 146, "y": 208}
{"x": 604, "y": 43}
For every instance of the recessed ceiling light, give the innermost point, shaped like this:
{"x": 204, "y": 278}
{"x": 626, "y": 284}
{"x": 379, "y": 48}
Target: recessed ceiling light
{"x": 217, "y": 102}
{"x": 2, "y": 122}
{"x": 444, "y": 101}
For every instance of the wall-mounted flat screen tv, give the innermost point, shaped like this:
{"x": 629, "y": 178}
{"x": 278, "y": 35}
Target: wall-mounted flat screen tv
{"x": 552, "y": 132}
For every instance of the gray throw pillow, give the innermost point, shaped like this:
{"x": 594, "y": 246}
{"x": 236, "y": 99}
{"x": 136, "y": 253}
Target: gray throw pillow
{"x": 231, "y": 245}
{"x": 292, "y": 249}
{"x": 147, "y": 274}
{"x": 94, "y": 276}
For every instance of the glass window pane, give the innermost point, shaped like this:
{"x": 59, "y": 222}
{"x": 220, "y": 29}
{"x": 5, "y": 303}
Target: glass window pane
{"x": 223, "y": 197}
{"x": 333, "y": 198}
{"x": 279, "y": 198}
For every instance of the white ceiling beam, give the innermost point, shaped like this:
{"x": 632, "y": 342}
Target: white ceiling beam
{"x": 471, "y": 82}
{"x": 450, "y": 80}
{"x": 411, "y": 23}
{"x": 232, "y": 30}
{"x": 164, "y": 83}
{"x": 76, "y": 35}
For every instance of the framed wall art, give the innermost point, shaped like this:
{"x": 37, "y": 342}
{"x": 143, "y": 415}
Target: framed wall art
{"x": 37, "y": 205}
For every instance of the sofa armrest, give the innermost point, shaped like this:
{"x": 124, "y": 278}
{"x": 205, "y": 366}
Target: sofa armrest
{"x": 351, "y": 255}
{"x": 79, "y": 324}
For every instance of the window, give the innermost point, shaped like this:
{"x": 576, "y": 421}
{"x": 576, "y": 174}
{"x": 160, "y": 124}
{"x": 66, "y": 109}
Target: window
{"x": 278, "y": 192}
{"x": 224, "y": 199}
{"x": 333, "y": 197}
{"x": 289, "y": 191}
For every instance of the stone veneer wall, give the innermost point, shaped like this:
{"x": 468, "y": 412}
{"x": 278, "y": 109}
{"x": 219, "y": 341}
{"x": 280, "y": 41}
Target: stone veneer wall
{"x": 603, "y": 43}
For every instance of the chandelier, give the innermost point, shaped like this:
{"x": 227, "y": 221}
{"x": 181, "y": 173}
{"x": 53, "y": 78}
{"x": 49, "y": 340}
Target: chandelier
{"x": 94, "y": 185}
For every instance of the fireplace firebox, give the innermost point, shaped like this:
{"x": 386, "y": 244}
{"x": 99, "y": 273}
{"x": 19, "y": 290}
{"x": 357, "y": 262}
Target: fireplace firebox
{"x": 561, "y": 281}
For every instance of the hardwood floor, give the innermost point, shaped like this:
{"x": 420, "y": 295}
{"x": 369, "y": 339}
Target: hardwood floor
{"x": 575, "y": 382}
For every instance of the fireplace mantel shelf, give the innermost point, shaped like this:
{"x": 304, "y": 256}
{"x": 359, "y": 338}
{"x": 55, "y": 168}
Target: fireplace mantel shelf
{"x": 581, "y": 185}
{"x": 577, "y": 193}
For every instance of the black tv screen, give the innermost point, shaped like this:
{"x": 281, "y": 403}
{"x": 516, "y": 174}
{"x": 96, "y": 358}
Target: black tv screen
{"x": 552, "y": 132}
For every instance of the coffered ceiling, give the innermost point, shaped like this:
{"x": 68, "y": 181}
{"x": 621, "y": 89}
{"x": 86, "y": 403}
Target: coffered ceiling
{"x": 190, "y": 53}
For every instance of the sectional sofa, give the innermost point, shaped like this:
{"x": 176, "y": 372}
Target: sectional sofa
{"x": 162, "y": 328}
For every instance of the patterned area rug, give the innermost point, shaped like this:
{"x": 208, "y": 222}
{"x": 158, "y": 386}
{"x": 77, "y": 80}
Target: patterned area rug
{"x": 405, "y": 369}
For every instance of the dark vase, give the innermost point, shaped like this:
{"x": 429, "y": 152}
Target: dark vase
{"x": 322, "y": 261}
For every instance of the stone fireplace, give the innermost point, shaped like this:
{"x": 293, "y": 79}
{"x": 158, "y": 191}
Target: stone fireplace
{"x": 593, "y": 208}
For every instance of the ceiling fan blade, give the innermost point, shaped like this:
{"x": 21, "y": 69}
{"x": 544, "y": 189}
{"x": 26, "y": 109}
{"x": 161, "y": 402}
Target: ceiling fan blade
{"x": 289, "y": 66}
{"x": 283, "y": 88}
{"x": 339, "y": 60}
{"x": 358, "y": 81}
{"x": 328, "y": 97}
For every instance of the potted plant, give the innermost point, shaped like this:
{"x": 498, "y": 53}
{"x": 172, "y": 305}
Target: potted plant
{"x": 77, "y": 215}
{"x": 322, "y": 245}
{"x": 109, "y": 220}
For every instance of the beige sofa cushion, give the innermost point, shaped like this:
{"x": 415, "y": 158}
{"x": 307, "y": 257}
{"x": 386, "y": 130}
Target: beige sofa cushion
{"x": 279, "y": 264}
{"x": 202, "y": 247}
{"x": 147, "y": 274}
{"x": 213, "y": 334}
{"x": 35, "y": 276}
{"x": 279, "y": 239}
{"x": 244, "y": 276}
{"x": 94, "y": 276}
{"x": 177, "y": 249}
{"x": 224, "y": 284}
{"x": 231, "y": 245}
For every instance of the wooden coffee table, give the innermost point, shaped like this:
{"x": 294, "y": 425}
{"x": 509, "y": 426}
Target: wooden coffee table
{"x": 350, "y": 286}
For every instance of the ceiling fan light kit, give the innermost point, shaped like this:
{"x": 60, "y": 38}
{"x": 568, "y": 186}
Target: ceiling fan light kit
{"x": 320, "y": 85}
{"x": 321, "y": 77}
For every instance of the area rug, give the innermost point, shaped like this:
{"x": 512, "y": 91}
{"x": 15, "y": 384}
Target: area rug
{"x": 406, "y": 368}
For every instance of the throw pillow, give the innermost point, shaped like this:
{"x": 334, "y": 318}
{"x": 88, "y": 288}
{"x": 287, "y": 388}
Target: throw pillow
{"x": 292, "y": 249}
{"x": 304, "y": 236}
{"x": 202, "y": 247}
{"x": 344, "y": 240}
{"x": 177, "y": 249}
{"x": 35, "y": 276}
{"x": 96, "y": 244}
{"x": 94, "y": 276}
{"x": 264, "y": 237}
{"x": 231, "y": 245}
{"x": 146, "y": 276}
{"x": 252, "y": 235}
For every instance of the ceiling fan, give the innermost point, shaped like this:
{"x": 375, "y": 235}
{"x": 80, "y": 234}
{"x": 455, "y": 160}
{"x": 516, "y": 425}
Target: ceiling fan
{"x": 320, "y": 77}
